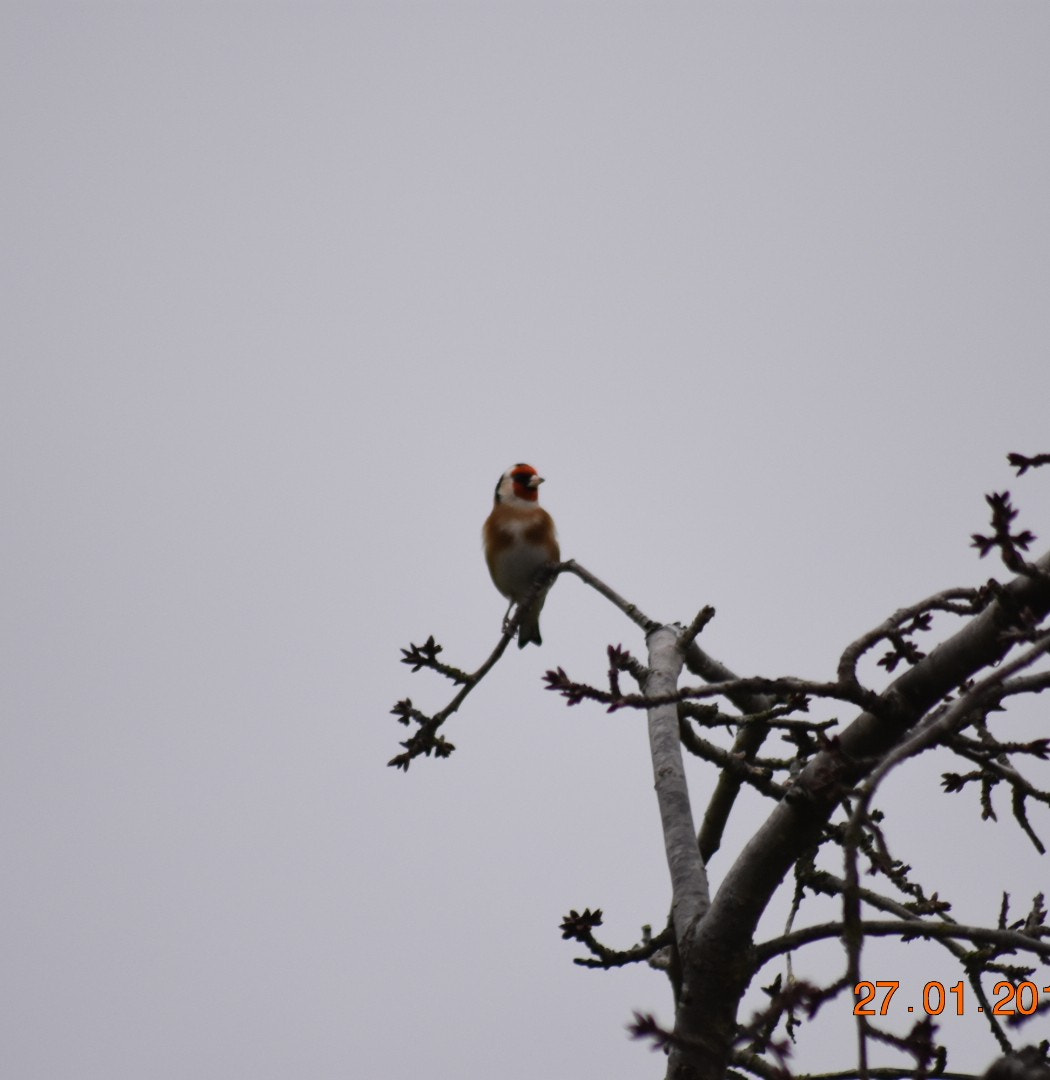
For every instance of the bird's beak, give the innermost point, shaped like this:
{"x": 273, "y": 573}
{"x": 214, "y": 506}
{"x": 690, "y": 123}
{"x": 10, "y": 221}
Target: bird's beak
{"x": 535, "y": 481}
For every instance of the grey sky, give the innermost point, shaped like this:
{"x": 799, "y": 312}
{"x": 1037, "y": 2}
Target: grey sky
{"x": 760, "y": 288}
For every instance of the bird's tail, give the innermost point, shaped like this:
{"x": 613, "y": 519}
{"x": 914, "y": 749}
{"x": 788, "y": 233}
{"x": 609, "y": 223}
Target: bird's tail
{"x": 529, "y": 630}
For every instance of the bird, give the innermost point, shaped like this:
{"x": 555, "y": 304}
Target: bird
{"x": 519, "y": 537}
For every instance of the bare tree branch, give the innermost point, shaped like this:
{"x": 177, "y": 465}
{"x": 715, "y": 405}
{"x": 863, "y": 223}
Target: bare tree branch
{"x": 909, "y": 929}
{"x": 689, "y": 890}
{"x": 958, "y": 601}
{"x": 796, "y": 822}
{"x": 632, "y": 611}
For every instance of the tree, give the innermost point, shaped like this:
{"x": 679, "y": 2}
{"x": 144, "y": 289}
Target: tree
{"x": 825, "y": 820}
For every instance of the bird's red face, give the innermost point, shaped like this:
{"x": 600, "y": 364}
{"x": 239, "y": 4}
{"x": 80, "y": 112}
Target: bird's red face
{"x": 526, "y": 482}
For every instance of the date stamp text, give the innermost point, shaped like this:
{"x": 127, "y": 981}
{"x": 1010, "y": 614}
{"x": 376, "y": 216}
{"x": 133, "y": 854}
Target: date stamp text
{"x": 1009, "y": 1000}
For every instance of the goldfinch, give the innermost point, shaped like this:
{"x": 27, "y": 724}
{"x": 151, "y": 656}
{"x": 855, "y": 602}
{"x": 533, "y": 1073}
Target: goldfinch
{"x": 519, "y": 538}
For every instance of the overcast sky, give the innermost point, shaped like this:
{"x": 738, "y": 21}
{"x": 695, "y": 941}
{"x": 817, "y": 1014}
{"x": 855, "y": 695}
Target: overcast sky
{"x": 760, "y": 288}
